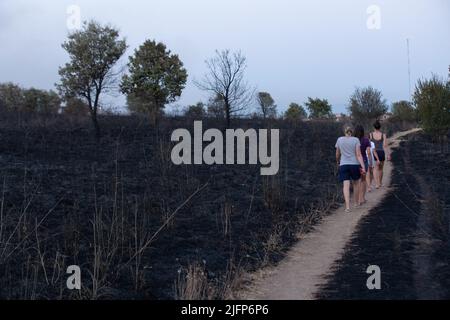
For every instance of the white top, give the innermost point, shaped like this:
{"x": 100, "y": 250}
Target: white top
{"x": 348, "y": 146}
{"x": 372, "y": 149}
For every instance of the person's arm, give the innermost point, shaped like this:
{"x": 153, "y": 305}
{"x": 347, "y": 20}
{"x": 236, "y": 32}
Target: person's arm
{"x": 338, "y": 152}
{"x": 338, "y": 156}
{"x": 360, "y": 158}
{"x": 369, "y": 155}
{"x": 377, "y": 158}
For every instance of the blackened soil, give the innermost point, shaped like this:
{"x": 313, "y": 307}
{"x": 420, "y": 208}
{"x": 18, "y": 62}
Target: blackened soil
{"x": 415, "y": 215}
{"x": 70, "y": 200}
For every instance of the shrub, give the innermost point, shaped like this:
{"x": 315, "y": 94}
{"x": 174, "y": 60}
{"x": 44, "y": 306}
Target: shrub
{"x": 432, "y": 100}
{"x": 14, "y": 98}
{"x": 196, "y": 111}
{"x": 295, "y": 112}
{"x": 367, "y": 105}
{"x": 267, "y": 105}
{"x": 11, "y": 97}
{"x": 404, "y": 111}
{"x": 319, "y": 109}
{"x": 41, "y": 101}
{"x": 76, "y": 107}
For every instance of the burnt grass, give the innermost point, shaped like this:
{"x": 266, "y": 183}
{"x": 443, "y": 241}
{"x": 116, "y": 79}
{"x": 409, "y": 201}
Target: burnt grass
{"x": 407, "y": 235}
{"x": 107, "y": 206}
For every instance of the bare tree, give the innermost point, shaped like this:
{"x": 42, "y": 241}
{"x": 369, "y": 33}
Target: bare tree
{"x": 225, "y": 79}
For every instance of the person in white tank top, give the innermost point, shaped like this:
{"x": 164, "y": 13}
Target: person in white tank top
{"x": 369, "y": 176}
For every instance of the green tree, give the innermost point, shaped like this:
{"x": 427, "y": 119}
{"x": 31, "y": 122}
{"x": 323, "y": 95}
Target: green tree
{"x": 11, "y": 97}
{"x": 137, "y": 105}
{"x": 94, "y": 51}
{"x": 319, "y": 109}
{"x": 404, "y": 111}
{"x": 267, "y": 105}
{"x": 17, "y": 99}
{"x": 432, "y": 100}
{"x": 196, "y": 111}
{"x": 295, "y": 112}
{"x": 41, "y": 101}
{"x": 156, "y": 77}
{"x": 367, "y": 105}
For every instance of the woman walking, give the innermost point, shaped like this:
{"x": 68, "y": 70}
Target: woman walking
{"x": 380, "y": 153}
{"x": 365, "y": 149}
{"x": 351, "y": 166}
{"x": 369, "y": 174}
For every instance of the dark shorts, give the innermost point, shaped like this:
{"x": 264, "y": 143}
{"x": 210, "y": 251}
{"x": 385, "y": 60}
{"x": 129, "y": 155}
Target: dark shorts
{"x": 381, "y": 155}
{"x": 349, "y": 172}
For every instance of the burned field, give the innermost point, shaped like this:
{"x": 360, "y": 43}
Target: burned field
{"x": 140, "y": 227}
{"x": 407, "y": 235}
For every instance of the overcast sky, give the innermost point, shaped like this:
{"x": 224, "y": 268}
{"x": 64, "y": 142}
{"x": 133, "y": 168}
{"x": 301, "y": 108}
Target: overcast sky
{"x": 295, "y": 49}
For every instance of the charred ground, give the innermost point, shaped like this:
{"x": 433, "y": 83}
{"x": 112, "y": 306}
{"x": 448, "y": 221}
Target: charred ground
{"x": 138, "y": 226}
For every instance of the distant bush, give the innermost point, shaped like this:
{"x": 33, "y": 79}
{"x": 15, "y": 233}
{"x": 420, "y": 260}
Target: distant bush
{"x": 432, "y": 100}
{"x": 76, "y": 107}
{"x": 319, "y": 109}
{"x": 14, "y": 98}
{"x": 295, "y": 112}
{"x": 46, "y": 102}
{"x": 267, "y": 105}
{"x": 196, "y": 111}
{"x": 11, "y": 97}
{"x": 216, "y": 108}
{"x": 367, "y": 105}
{"x": 404, "y": 111}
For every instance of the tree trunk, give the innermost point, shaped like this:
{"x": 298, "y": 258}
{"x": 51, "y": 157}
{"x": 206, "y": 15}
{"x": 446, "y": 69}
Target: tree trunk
{"x": 154, "y": 115}
{"x": 227, "y": 114}
{"x": 96, "y": 126}
{"x": 95, "y": 109}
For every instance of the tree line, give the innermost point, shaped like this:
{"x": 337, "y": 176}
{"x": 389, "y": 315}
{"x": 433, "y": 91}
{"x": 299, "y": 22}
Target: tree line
{"x": 155, "y": 77}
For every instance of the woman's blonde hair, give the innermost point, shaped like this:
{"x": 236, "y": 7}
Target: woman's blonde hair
{"x": 348, "y": 130}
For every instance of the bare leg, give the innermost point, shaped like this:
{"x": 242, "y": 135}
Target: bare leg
{"x": 376, "y": 173}
{"x": 347, "y": 194}
{"x": 368, "y": 180}
{"x": 362, "y": 190}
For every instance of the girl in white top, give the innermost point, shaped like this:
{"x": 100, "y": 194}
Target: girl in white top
{"x": 369, "y": 175}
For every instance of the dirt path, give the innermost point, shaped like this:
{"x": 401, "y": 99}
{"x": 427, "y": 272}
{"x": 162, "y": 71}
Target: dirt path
{"x": 301, "y": 273}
